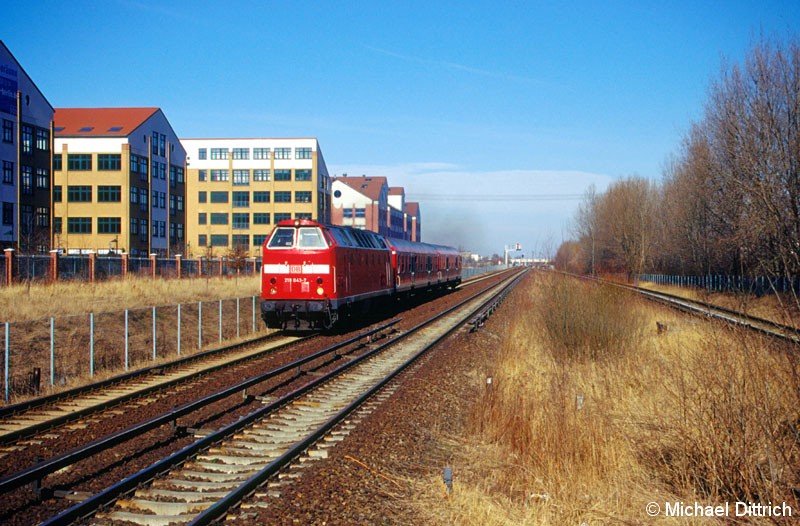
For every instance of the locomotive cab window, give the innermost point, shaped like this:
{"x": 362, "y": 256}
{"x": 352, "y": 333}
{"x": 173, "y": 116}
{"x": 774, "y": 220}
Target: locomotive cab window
{"x": 282, "y": 238}
{"x": 310, "y": 237}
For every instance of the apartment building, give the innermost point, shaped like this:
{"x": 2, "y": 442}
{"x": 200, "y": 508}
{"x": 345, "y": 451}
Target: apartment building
{"x": 119, "y": 182}
{"x": 361, "y": 202}
{"x": 369, "y": 203}
{"x": 238, "y": 189}
{"x": 25, "y": 156}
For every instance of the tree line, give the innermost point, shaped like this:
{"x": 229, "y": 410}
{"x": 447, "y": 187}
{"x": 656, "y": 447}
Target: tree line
{"x": 729, "y": 200}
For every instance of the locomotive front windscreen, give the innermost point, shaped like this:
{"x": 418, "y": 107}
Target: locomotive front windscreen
{"x": 302, "y": 238}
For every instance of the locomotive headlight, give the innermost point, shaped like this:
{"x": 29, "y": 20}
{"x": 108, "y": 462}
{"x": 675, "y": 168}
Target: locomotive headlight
{"x": 320, "y": 291}
{"x": 273, "y": 290}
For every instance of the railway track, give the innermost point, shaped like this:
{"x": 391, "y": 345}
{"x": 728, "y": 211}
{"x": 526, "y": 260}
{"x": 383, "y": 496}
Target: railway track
{"x": 34, "y": 417}
{"x": 767, "y": 327}
{"x": 203, "y": 481}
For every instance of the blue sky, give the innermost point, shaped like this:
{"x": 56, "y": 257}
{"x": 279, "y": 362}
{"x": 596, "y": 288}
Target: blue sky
{"x": 523, "y": 103}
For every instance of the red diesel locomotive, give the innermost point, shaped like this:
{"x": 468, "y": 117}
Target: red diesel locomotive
{"x": 318, "y": 273}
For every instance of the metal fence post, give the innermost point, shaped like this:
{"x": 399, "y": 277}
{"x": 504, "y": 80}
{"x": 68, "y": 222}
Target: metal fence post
{"x": 254, "y": 314}
{"x": 126, "y": 339}
{"x": 154, "y": 333}
{"x": 52, "y": 351}
{"x": 179, "y": 329}
{"x": 220, "y": 321}
{"x": 237, "y": 317}
{"x": 5, "y": 371}
{"x": 91, "y": 344}
{"x": 199, "y": 325}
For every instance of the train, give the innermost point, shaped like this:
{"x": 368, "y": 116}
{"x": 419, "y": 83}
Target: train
{"x": 318, "y": 274}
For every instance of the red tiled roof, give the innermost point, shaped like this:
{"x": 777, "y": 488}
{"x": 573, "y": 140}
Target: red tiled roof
{"x": 397, "y": 190}
{"x": 99, "y": 122}
{"x": 412, "y": 209}
{"x": 369, "y": 186}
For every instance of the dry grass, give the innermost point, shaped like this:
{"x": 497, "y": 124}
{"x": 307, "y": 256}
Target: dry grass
{"x": 22, "y": 302}
{"x": 29, "y": 310}
{"x": 696, "y": 414}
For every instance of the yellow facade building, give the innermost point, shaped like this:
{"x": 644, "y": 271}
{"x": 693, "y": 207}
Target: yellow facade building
{"x": 238, "y": 189}
{"x": 119, "y": 182}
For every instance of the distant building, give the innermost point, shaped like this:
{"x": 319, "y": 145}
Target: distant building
{"x": 413, "y": 221}
{"x": 119, "y": 182}
{"x": 370, "y": 204}
{"x": 361, "y": 202}
{"x": 25, "y": 155}
{"x": 238, "y": 189}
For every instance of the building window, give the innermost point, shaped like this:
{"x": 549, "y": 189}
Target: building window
{"x": 260, "y": 218}
{"x": 202, "y": 154}
{"x": 348, "y": 212}
{"x": 109, "y": 194}
{"x": 134, "y": 195}
{"x": 57, "y": 222}
{"x": 109, "y": 225}
{"x": 283, "y": 197}
{"x": 283, "y": 175}
{"x": 42, "y": 139}
{"x": 8, "y": 172}
{"x": 261, "y": 154}
{"x": 219, "y": 153}
{"x": 172, "y": 204}
{"x": 180, "y": 203}
{"x": 143, "y": 199}
{"x": 302, "y": 153}
{"x": 57, "y": 193}
{"x": 202, "y": 240}
{"x": 202, "y": 218}
{"x": 261, "y": 197}
{"x": 219, "y": 240}
{"x": 241, "y": 153}
{"x": 8, "y": 131}
{"x": 219, "y": 197}
{"x": 154, "y": 143}
{"x": 42, "y": 216}
{"x": 179, "y": 174}
{"x": 241, "y": 221}
{"x": 58, "y": 162}
{"x": 162, "y": 200}
{"x": 27, "y": 180}
{"x": 202, "y": 197}
{"x": 241, "y": 177}
{"x": 303, "y": 215}
{"x": 302, "y": 175}
{"x": 27, "y": 139}
{"x": 134, "y": 164}
{"x": 259, "y": 239}
{"x": 109, "y": 161}
{"x": 282, "y": 216}
{"x": 134, "y": 226}
{"x": 143, "y": 230}
{"x": 79, "y": 225}
{"x": 302, "y": 197}
{"x": 8, "y": 213}
{"x": 241, "y": 241}
{"x": 162, "y": 146}
{"x": 241, "y": 199}
{"x": 202, "y": 175}
{"x": 261, "y": 175}
{"x": 283, "y": 153}
{"x": 79, "y": 161}
{"x": 219, "y": 218}
{"x": 143, "y": 168}
{"x": 162, "y": 171}
{"x": 219, "y": 175}
{"x": 79, "y": 194}
{"x": 42, "y": 178}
